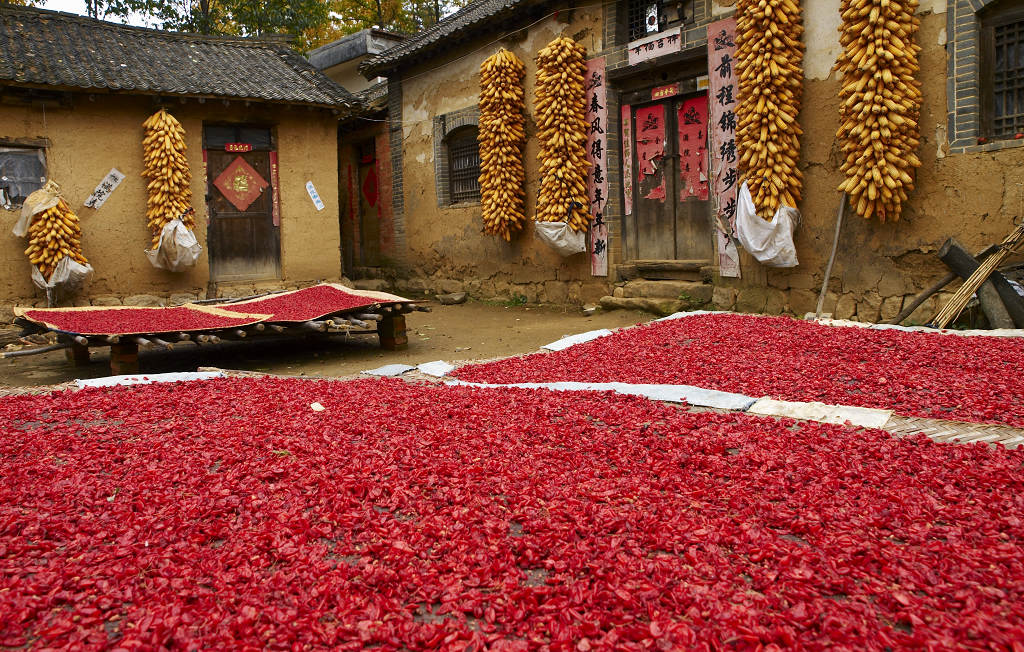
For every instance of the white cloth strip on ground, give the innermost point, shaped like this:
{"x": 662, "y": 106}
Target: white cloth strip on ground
{"x": 668, "y": 393}
{"x": 389, "y": 370}
{"x": 438, "y": 368}
{"x": 814, "y": 411}
{"x": 570, "y": 340}
{"x": 145, "y": 379}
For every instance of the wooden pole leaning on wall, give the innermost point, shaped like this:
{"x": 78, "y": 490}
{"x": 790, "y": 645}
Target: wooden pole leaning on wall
{"x": 831, "y": 258}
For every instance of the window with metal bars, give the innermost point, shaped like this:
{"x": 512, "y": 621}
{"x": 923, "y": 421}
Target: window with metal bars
{"x": 463, "y": 165}
{"x": 1002, "y": 71}
{"x": 653, "y": 16}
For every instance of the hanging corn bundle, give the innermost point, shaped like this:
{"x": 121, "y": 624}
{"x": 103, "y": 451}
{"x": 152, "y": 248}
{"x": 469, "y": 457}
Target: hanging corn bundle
{"x": 502, "y": 136}
{"x": 54, "y": 234}
{"x": 562, "y": 131}
{"x": 769, "y": 64}
{"x": 165, "y": 165}
{"x": 881, "y": 104}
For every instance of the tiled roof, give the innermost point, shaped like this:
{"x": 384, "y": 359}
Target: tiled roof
{"x": 65, "y": 50}
{"x": 471, "y": 17}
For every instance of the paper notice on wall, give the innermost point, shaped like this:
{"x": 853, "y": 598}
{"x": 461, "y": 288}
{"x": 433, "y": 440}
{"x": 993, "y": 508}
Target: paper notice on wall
{"x": 107, "y": 186}
{"x": 275, "y": 185}
{"x": 597, "y": 175}
{"x": 724, "y": 175}
{"x": 650, "y": 150}
{"x": 693, "y": 148}
{"x": 315, "y": 196}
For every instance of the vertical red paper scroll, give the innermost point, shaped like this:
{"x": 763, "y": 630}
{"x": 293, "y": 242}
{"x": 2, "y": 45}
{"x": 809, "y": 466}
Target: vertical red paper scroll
{"x": 597, "y": 175}
{"x": 724, "y": 176}
{"x": 693, "y": 148}
{"x": 275, "y": 188}
{"x": 627, "y": 159}
{"x": 650, "y": 149}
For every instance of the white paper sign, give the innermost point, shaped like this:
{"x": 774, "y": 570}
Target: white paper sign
{"x": 314, "y": 195}
{"x": 107, "y": 186}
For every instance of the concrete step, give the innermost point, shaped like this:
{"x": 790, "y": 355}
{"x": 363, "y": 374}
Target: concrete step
{"x": 687, "y": 291}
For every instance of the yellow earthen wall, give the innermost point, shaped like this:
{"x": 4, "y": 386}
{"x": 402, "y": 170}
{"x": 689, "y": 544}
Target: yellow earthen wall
{"x": 446, "y": 241}
{"x": 91, "y": 137}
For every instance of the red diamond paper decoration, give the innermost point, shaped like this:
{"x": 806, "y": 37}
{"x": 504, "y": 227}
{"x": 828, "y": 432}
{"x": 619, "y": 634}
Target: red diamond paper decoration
{"x": 240, "y": 184}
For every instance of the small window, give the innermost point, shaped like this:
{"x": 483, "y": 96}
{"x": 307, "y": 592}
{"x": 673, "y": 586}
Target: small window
{"x": 1002, "y": 70}
{"x": 22, "y": 172}
{"x": 653, "y": 16}
{"x": 464, "y": 165}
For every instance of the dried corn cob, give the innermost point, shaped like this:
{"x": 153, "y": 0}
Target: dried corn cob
{"x": 881, "y": 104}
{"x": 502, "y": 136}
{"x": 165, "y": 165}
{"x": 562, "y": 130}
{"x": 769, "y": 64}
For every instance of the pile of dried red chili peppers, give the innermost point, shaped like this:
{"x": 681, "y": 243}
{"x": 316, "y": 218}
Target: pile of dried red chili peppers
{"x": 229, "y": 514}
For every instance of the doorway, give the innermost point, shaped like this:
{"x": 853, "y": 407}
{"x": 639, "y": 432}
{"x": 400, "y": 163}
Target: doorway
{"x": 671, "y": 216}
{"x": 243, "y": 238}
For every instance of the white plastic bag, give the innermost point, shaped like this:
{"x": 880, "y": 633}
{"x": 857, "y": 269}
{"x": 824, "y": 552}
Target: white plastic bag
{"x": 68, "y": 276}
{"x": 769, "y": 241}
{"x": 178, "y": 248}
{"x": 561, "y": 237}
{"x": 43, "y": 199}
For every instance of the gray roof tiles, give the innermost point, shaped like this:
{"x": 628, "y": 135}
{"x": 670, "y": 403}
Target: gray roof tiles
{"x": 57, "y": 49}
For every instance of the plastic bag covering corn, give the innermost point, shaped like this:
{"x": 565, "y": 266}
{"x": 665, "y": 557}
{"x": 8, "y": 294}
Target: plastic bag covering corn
{"x": 178, "y": 248}
{"x": 561, "y": 237}
{"x": 67, "y": 278}
{"x": 769, "y": 241}
{"x": 46, "y": 197}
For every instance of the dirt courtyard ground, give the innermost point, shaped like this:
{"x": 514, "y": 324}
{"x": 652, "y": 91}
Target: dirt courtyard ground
{"x": 470, "y": 331}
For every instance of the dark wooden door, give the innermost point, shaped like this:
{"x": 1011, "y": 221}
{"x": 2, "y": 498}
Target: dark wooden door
{"x": 243, "y": 241}
{"x": 369, "y": 206}
{"x": 670, "y": 167}
{"x": 655, "y": 182}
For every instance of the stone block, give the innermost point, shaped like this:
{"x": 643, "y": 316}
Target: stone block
{"x": 752, "y": 300}
{"x": 890, "y": 307}
{"x": 6, "y": 313}
{"x": 452, "y": 298}
{"x": 619, "y": 292}
{"x": 372, "y": 284}
{"x": 556, "y": 292}
{"x": 775, "y": 302}
{"x": 181, "y": 298}
{"x": 893, "y": 283}
{"x": 531, "y": 273}
{"x": 723, "y": 298}
{"x": 802, "y": 282}
{"x": 687, "y": 291}
{"x": 656, "y": 306}
{"x": 806, "y": 301}
{"x": 846, "y": 307}
{"x": 924, "y": 312}
{"x": 869, "y": 308}
{"x": 143, "y": 300}
{"x": 106, "y": 300}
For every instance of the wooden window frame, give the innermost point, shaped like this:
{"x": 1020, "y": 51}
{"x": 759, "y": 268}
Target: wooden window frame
{"x": 455, "y": 140}
{"x": 988, "y": 20}
{"x": 635, "y": 7}
{"x": 9, "y": 144}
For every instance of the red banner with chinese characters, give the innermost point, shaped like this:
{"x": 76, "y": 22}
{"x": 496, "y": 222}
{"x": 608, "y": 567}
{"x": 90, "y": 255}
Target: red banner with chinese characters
{"x": 724, "y": 175}
{"x": 693, "y": 151}
{"x": 627, "y": 159}
{"x": 597, "y": 175}
{"x": 237, "y": 148}
{"x": 275, "y": 189}
{"x": 650, "y": 148}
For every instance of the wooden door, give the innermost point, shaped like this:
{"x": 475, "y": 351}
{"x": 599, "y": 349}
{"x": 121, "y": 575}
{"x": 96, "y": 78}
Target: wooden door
{"x": 369, "y": 206}
{"x": 693, "y": 208}
{"x": 672, "y": 218}
{"x": 243, "y": 240}
{"x": 655, "y": 182}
